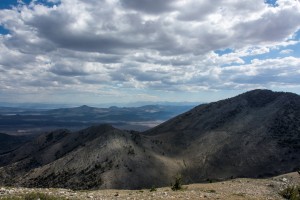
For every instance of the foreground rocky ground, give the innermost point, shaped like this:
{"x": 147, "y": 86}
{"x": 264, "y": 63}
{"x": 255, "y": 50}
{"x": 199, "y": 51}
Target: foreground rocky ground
{"x": 231, "y": 189}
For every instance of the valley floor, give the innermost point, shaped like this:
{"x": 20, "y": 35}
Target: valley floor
{"x": 232, "y": 189}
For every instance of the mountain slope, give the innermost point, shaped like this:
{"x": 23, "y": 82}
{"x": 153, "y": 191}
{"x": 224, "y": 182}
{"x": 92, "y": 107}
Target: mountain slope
{"x": 96, "y": 157}
{"x": 255, "y": 134}
{"x": 252, "y": 135}
{"x": 10, "y": 142}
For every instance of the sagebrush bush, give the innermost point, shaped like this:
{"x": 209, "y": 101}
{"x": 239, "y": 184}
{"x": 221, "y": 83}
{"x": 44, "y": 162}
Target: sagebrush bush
{"x": 153, "y": 189}
{"x": 177, "y": 184}
{"x": 291, "y": 193}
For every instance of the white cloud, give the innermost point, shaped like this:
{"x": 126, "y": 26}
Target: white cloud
{"x": 286, "y": 51}
{"x": 165, "y": 46}
{"x": 281, "y": 71}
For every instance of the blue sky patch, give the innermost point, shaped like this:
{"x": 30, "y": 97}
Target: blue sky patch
{"x": 295, "y": 48}
{"x": 275, "y": 53}
{"x": 3, "y": 31}
{"x": 8, "y": 4}
{"x": 297, "y": 35}
{"x": 47, "y": 3}
{"x": 221, "y": 52}
{"x": 269, "y": 55}
{"x": 271, "y": 2}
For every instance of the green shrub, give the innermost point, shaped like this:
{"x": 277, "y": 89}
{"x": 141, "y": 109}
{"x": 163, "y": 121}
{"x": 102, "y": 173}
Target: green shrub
{"x": 177, "y": 184}
{"x": 291, "y": 192}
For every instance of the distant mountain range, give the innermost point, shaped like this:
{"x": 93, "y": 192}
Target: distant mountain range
{"x": 255, "y": 134}
{"x": 49, "y": 106}
{"x": 24, "y": 120}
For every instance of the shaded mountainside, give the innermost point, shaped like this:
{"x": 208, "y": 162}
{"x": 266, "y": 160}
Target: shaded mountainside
{"x": 97, "y": 157}
{"x": 255, "y": 134}
{"x": 10, "y": 142}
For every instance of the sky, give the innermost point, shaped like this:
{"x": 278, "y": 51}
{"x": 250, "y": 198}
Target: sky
{"x": 117, "y": 51}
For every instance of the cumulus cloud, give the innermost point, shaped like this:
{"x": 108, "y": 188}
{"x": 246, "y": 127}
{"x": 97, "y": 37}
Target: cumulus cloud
{"x": 148, "y": 6}
{"x": 286, "y": 51}
{"x": 147, "y": 45}
{"x": 282, "y": 71}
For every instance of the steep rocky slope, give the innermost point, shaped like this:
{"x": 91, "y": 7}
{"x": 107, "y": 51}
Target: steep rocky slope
{"x": 97, "y": 157}
{"x": 255, "y": 134}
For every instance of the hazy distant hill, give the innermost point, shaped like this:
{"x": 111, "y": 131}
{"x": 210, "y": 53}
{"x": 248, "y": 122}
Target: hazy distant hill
{"x": 144, "y": 113}
{"x": 255, "y": 134}
{"x": 20, "y": 121}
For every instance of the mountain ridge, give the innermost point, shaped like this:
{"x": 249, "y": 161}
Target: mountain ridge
{"x": 255, "y": 134}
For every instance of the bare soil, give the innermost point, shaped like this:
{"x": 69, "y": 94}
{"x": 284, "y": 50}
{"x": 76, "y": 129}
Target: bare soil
{"x": 235, "y": 189}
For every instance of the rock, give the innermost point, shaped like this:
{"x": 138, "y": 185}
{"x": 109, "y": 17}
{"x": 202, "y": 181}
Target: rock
{"x": 284, "y": 180}
{"x": 2, "y": 191}
{"x": 10, "y": 191}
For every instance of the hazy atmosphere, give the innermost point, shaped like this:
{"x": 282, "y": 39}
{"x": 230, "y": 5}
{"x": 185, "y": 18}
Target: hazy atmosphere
{"x": 113, "y": 51}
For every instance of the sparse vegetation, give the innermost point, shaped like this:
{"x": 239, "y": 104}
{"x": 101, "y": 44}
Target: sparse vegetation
{"x": 211, "y": 191}
{"x": 177, "y": 184}
{"x": 239, "y": 194}
{"x": 291, "y": 192}
{"x": 210, "y": 180}
{"x": 130, "y": 151}
{"x": 11, "y": 198}
{"x": 135, "y": 137}
{"x": 255, "y": 188}
{"x": 153, "y": 189}
{"x": 33, "y": 196}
